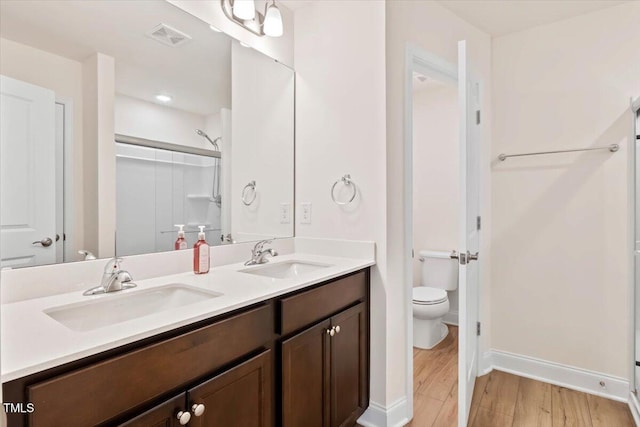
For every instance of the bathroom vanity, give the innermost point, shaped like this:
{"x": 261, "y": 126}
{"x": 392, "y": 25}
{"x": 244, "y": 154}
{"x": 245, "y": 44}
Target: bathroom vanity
{"x": 300, "y": 358}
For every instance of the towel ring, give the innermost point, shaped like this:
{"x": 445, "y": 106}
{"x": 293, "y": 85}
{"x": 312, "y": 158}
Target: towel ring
{"x": 250, "y": 186}
{"x": 347, "y": 181}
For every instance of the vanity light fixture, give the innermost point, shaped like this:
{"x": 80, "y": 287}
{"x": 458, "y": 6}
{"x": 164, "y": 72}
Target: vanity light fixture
{"x": 244, "y": 13}
{"x": 163, "y": 98}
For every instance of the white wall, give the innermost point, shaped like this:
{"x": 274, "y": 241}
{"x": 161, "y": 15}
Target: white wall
{"x": 560, "y": 238}
{"x": 262, "y": 93}
{"x": 98, "y": 91}
{"x": 64, "y": 77}
{"x": 280, "y": 48}
{"x": 433, "y": 28}
{"x": 340, "y": 128}
{"x": 436, "y": 166}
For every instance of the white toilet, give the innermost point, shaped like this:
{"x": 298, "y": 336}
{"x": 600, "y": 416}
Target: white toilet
{"x": 430, "y": 299}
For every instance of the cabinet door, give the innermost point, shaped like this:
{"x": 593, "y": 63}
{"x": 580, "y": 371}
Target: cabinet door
{"x": 349, "y": 366}
{"x": 305, "y": 378}
{"x": 163, "y": 415}
{"x": 240, "y": 396}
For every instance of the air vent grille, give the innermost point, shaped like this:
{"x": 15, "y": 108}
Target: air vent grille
{"x": 168, "y": 35}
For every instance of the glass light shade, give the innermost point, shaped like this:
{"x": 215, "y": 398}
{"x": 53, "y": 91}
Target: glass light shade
{"x": 273, "y": 22}
{"x": 244, "y": 9}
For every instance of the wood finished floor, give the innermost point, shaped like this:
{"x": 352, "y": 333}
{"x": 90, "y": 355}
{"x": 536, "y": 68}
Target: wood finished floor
{"x": 501, "y": 399}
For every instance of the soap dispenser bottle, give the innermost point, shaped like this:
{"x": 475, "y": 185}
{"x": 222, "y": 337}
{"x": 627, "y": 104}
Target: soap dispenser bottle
{"x": 201, "y": 254}
{"x": 181, "y": 242}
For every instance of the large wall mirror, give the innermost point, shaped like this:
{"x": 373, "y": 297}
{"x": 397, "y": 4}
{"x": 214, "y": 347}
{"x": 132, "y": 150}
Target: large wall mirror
{"x": 121, "y": 120}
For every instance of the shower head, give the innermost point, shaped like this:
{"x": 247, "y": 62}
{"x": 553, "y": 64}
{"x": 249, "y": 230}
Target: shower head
{"x": 204, "y": 135}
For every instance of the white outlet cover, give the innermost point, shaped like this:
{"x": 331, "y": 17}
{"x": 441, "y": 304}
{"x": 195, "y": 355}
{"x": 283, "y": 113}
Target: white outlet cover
{"x": 305, "y": 213}
{"x": 285, "y": 213}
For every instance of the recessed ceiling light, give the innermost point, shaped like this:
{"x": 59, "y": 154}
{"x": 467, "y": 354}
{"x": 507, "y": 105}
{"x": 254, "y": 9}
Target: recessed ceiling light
{"x": 163, "y": 98}
{"x": 215, "y": 29}
{"x": 243, "y": 44}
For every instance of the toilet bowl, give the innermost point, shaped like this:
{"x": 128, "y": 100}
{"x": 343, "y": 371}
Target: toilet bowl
{"x": 429, "y": 307}
{"x": 431, "y": 300}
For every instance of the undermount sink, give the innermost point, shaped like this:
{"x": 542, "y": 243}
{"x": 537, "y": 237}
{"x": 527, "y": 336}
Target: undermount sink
{"x": 116, "y": 308}
{"x": 285, "y": 269}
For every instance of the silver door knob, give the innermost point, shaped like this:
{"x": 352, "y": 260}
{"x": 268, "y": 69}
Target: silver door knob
{"x": 46, "y": 242}
{"x": 197, "y": 409}
{"x": 472, "y": 257}
{"x": 183, "y": 417}
{"x": 337, "y": 329}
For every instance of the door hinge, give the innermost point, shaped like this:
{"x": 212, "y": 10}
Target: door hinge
{"x": 477, "y": 117}
{"x": 479, "y": 222}
{"x": 478, "y": 328}
{"x": 413, "y": 255}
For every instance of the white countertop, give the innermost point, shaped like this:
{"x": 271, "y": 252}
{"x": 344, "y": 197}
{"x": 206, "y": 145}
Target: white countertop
{"x": 33, "y": 341}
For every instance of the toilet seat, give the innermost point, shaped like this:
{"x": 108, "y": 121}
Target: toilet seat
{"x": 424, "y": 295}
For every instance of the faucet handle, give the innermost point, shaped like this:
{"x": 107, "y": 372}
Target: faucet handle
{"x": 258, "y": 247}
{"x": 113, "y": 265}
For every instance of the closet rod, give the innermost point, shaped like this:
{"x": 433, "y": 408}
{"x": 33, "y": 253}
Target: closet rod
{"x": 613, "y": 148}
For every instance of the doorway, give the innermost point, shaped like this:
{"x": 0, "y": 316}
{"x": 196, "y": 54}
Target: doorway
{"x": 441, "y": 233}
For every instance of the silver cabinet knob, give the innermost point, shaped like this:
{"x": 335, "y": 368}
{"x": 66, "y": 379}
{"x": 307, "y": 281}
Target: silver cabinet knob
{"x": 183, "y": 417}
{"x": 46, "y": 242}
{"x": 337, "y": 328}
{"x": 197, "y": 409}
{"x": 472, "y": 257}
{"x": 331, "y": 331}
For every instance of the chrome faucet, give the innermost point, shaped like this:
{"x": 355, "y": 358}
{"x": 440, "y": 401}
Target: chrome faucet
{"x": 258, "y": 254}
{"x": 114, "y": 279}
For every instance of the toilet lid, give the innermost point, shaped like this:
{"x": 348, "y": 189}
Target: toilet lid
{"x": 426, "y": 295}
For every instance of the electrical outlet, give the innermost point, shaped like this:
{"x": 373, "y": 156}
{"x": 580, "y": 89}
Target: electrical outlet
{"x": 305, "y": 211}
{"x": 285, "y": 213}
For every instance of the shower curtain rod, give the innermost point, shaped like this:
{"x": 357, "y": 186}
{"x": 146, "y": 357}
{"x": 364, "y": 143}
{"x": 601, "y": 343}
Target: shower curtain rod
{"x": 133, "y": 140}
{"x": 613, "y": 148}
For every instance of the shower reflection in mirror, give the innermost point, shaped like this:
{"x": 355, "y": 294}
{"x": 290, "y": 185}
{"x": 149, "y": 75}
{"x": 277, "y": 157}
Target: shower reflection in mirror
{"x": 157, "y": 188}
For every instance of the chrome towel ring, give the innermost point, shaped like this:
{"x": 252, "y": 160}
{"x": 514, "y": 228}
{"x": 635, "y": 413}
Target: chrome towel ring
{"x": 346, "y": 180}
{"x": 248, "y": 191}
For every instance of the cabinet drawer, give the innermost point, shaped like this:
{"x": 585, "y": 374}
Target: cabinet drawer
{"x": 316, "y": 304}
{"x": 97, "y": 393}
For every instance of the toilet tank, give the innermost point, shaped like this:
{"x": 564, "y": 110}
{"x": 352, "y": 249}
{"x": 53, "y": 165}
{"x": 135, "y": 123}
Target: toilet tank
{"x": 439, "y": 270}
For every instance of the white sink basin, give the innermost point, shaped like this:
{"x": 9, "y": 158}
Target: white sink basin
{"x": 285, "y": 269}
{"x": 120, "y": 307}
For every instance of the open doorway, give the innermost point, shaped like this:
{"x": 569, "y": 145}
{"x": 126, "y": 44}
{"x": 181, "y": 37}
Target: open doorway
{"x": 436, "y": 194}
{"x": 441, "y": 233}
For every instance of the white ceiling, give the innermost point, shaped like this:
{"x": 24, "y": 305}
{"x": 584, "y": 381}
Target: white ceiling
{"x": 196, "y": 74}
{"x": 500, "y": 17}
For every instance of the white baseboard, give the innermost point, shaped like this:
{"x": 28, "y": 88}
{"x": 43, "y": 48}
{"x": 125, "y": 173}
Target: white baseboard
{"x": 555, "y": 373}
{"x": 634, "y": 406}
{"x": 377, "y": 415}
{"x": 451, "y": 318}
{"x": 486, "y": 363}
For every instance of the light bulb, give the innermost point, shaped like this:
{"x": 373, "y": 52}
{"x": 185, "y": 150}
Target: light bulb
{"x": 244, "y": 9}
{"x": 273, "y": 21}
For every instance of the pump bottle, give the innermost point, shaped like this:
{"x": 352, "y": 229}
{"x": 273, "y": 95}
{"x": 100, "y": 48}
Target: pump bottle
{"x": 181, "y": 242}
{"x": 201, "y": 254}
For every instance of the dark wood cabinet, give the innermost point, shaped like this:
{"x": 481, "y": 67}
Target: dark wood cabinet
{"x": 325, "y": 372}
{"x": 163, "y": 415}
{"x": 240, "y": 396}
{"x": 349, "y": 366}
{"x": 301, "y": 359}
{"x": 305, "y": 378}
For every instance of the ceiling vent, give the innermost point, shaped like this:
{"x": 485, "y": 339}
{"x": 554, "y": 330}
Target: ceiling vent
{"x": 168, "y": 35}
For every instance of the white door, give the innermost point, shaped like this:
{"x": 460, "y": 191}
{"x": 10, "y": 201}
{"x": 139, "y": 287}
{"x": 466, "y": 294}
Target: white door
{"x": 468, "y": 93}
{"x": 27, "y": 174}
